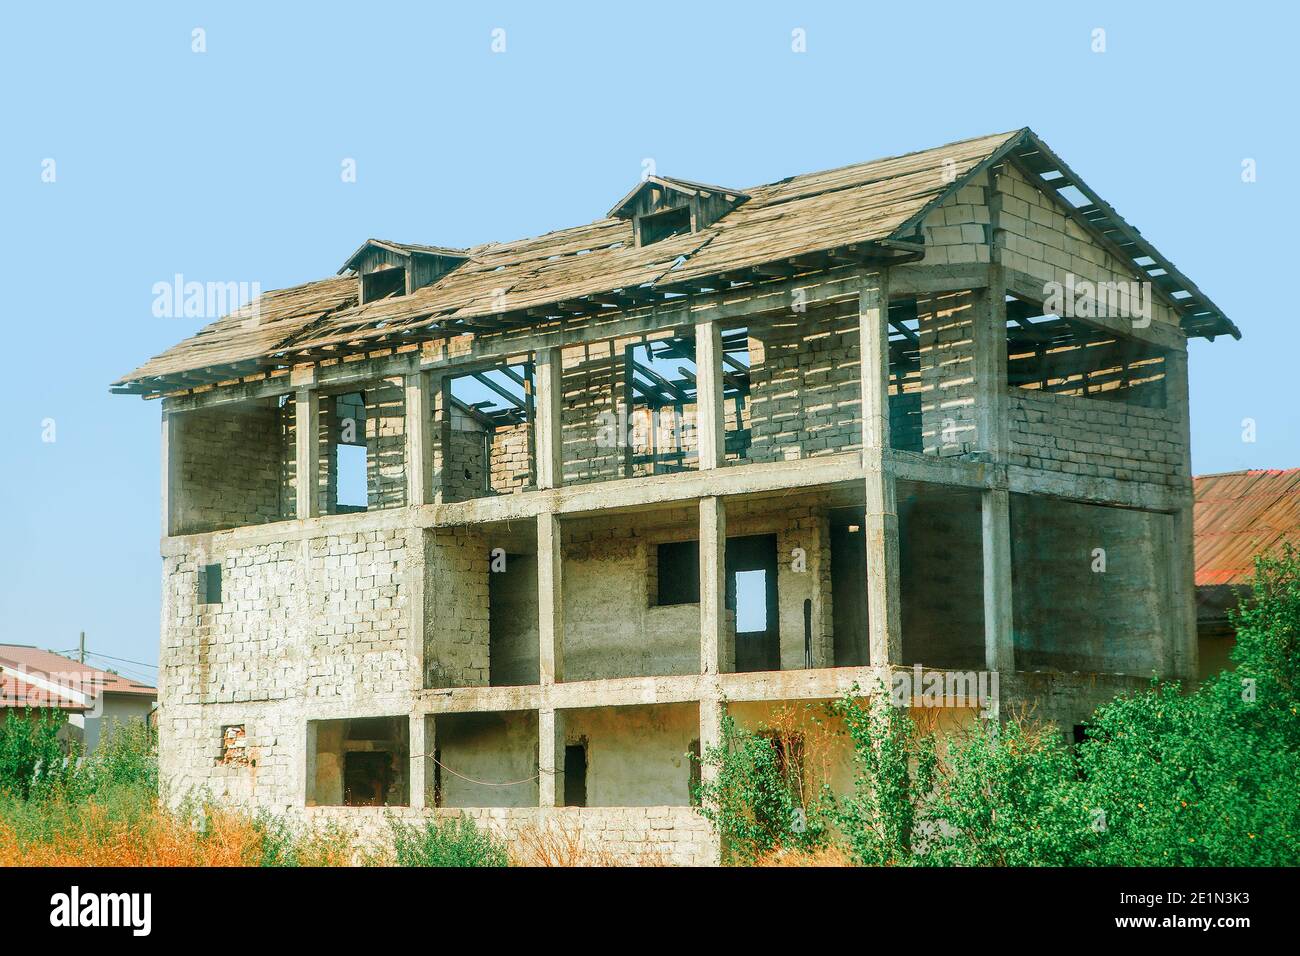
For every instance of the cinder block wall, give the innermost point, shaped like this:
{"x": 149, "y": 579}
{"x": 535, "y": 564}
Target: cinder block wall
{"x": 303, "y": 627}
{"x": 231, "y": 468}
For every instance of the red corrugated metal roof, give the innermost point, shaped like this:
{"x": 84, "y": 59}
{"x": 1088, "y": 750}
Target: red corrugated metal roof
{"x": 1240, "y": 514}
{"x": 33, "y": 660}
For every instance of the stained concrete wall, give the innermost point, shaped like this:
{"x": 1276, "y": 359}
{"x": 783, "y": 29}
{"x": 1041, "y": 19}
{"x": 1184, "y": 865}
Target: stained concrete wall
{"x": 489, "y": 760}
{"x": 636, "y": 756}
{"x": 941, "y": 575}
{"x": 1068, "y": 615}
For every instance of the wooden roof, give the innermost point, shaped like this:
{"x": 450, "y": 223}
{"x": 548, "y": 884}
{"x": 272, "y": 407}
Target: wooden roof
{"x": 406, "y": 249}
{"x": 1240, "y": 514}
{"x": 686, "y": 186}
{"x": 867, "y": 212}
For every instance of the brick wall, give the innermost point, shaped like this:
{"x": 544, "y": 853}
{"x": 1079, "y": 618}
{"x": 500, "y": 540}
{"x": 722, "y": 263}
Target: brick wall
{"x": 231, "y": 468}
{"x": 457, "y": 640}
{"x": 1096, "y": 438}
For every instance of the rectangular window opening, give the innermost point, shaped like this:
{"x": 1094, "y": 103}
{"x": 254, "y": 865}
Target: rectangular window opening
{"x": 351, "y": 490}
{"x": 575, "y": 775}
{"x": 1064, "y": 356}
{"x": 659, "y": 393}
{"x": 210, "y": 584}
{"x": 737, "y": 362}
{"x": 678, "y": 566}
{"x": 383, "y": 284}
{"x": 359, "y": 762}
{"x": 663, "y": 225}
{"x": 491, "y": 438}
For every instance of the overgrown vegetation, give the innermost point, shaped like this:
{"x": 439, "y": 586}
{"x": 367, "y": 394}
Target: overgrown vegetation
{"x": 449, "y": 842}
{"x": 1163, "y": 777}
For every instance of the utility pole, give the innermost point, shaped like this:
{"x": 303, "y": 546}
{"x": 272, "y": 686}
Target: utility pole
{"x": 82, "y": 655}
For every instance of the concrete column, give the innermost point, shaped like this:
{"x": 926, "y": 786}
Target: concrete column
{"x": 880, "y": 527}
{"x": 423, "y": 743}
{"x": 171, "y": 473}
{"x": 873, "y": 329}
{"x": 992, "y": 408}
{"x": 710, "y": 422}
{"x": 548, "y": 373}
{"x": 710, "y": 733}
{"x": 550, "y": 758}
{"x": 716, "y": 651}
{"x": 306, "y": 405}
{"x": 440, "y": 437}
{"x": 419, "y": 439}
{"x": 1183, "y": 655}
{"x": 999, "y": 645}
{"x": 550, "y": 599}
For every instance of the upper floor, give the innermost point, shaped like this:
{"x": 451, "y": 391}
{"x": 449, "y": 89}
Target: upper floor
{"x": 1006, "y": 314}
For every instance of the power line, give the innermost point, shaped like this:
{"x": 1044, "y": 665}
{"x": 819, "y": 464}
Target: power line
{"x": 122, "y": 659}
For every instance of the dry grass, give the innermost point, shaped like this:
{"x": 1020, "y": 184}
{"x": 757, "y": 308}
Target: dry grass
{"x": 91, "y": 834}
{"x": 93, "y": 838}
{"x": 557, "y": 843}
{"x": 822, "y": 856}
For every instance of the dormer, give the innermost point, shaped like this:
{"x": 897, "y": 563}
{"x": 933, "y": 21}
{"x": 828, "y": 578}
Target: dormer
{"x": 660, "y": 207}
{"x": 388, "y": 269}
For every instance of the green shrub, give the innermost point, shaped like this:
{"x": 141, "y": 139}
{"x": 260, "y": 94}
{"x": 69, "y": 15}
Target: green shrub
{"x": 894, "y": 773}
{"x": 33, "y": 761}
{"x": 448, "y": 842}
{"x": 127, "y": 755}
{"x": 1163, "y": 777}
{"x": 758, "y": 800}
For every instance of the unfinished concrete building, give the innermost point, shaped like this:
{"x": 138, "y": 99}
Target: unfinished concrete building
{"x": 502, "y": 530}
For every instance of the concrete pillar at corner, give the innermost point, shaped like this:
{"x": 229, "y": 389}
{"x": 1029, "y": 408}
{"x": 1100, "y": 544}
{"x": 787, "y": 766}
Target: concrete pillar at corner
{"x": 550, "y": 599}
{"x": 306, "y": 404}
{"x": 1183, "y": 654}
{"x": 880, "y": 526}
{"x": 710, "y": 422}
{"x": 716, "y": 651}
{"x": 999, "y": 644}
{"x": 171, "y": 472}
{"x": 423, "y": 742}
{"x": 550, "y": 758}
{"x": 992, "y": 415}
{"x": 548, "y": 372}
{"x": 419, "y": 439}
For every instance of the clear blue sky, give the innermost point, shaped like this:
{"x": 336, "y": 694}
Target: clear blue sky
{"x": 225, "y": 166}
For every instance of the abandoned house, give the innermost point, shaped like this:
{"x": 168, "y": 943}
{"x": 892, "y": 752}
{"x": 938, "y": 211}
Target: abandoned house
{"x": 502, "y": 530}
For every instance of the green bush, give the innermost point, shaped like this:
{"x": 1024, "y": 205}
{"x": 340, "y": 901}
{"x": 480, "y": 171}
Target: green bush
{"x": 1163, "y": 777}
{"x": 127, "y": 755}
{"x": 33, "y": 761}
{"x": 449, "y": 842}
{"x": 757, "y": 800}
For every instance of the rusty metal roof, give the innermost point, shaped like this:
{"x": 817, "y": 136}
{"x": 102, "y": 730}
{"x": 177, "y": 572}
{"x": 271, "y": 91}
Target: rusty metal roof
{"x": 1240, "y": 514}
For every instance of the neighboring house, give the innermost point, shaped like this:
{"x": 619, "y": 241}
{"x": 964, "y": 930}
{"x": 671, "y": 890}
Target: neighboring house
{"x": 94, "y": 699}
{"x": 507, "y": 530}
{"x": 1239, "y": 514}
